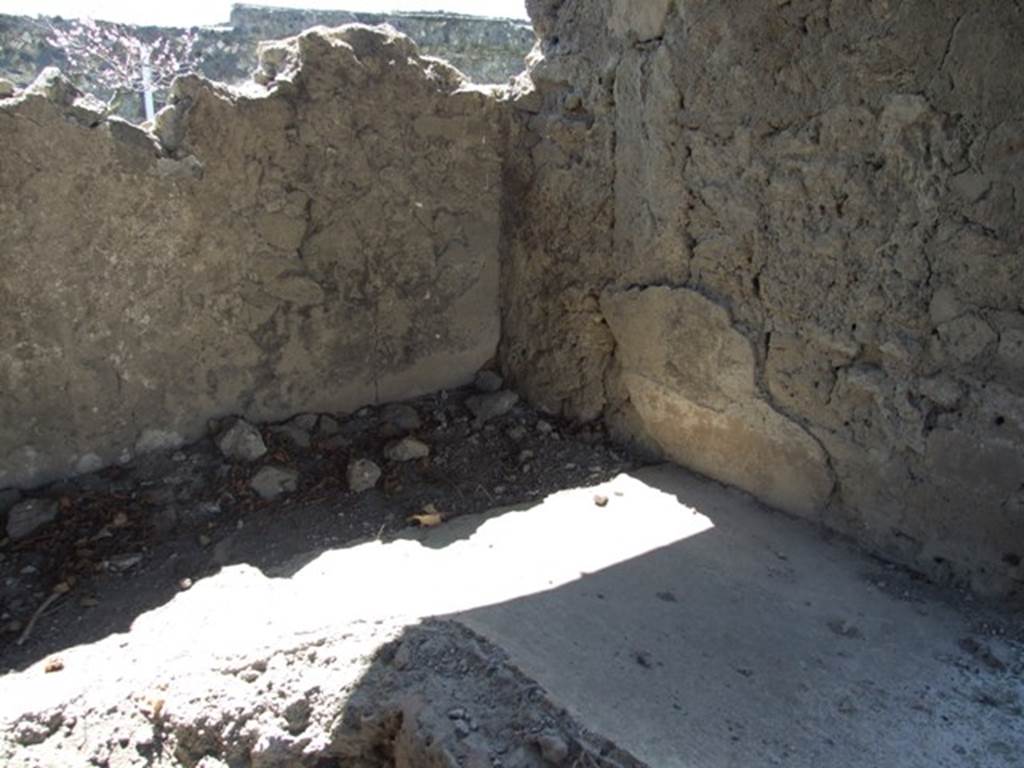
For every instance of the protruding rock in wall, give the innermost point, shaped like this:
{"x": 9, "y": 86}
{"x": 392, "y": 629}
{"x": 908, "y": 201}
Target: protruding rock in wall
{"x": 783, "y": 243}
{"x": 322, "y": 241}
{"x": 691, "y": 375}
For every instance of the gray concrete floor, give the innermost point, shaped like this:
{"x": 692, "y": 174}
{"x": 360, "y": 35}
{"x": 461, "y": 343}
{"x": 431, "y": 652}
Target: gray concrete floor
{"x": 756, "y": 643}
{"x": 681, "y": 620}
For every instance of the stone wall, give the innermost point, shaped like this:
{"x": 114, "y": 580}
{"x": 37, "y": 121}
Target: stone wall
{"x": 485, "y": 50}
{"x": 319, "y": 242}
{"x": 783, "y": 244}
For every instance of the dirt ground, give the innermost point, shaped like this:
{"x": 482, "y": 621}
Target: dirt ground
{"x": 128, "y": 538}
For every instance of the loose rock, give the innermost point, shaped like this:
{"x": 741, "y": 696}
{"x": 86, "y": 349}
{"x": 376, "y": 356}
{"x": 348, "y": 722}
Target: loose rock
{"x": 7, "y": 88}
{"x": 403, "y": 418}
{"x": 242, "y": 442}
{"x": 553, "y": 748}
{"x": 9, "y": 498}
{"x": 488, "y": 381}
{"x": 407, "y": 449}
{"x": 328, "y": 426}
{"x": 487, "y": 407}
{"x": 271, "y": 482}
{"x": 305, "y": 421}
{"x": 362, "y": 475}
{"x": 24, "y": 518}
{"x": 294, "y": 433}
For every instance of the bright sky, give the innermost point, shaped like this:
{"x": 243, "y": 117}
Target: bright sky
{"x": 183, "y": 13}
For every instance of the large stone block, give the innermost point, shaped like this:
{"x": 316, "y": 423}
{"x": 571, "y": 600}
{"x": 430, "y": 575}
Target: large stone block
{"x": 690, "y": 377}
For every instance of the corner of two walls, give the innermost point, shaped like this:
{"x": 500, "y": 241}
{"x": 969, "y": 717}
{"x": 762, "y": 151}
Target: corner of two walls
{"x": 782, "y": 245}
{"x": 325, "y": 242}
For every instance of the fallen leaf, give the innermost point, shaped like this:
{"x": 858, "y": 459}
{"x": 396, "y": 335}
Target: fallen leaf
{"x": 429, "y": 518}
{"x": 153, "y": 707}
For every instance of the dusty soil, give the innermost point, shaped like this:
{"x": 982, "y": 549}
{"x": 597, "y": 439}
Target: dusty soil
{"x": 128, "y": 538}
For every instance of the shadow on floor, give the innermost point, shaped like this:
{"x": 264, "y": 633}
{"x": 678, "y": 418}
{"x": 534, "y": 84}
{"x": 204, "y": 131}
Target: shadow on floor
{"x": 680, "y": 620}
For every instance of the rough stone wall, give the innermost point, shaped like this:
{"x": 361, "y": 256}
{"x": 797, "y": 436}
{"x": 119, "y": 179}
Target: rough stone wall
{"x": 323, "y": 241}
{"x": 784, "y": 245}
{"x": 485, "y": 50}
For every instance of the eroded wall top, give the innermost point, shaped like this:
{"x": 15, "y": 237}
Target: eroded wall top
{"x": 485, "y": 50}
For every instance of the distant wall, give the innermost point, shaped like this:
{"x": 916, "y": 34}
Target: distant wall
{"x": 320, "y": 244}
{"x": 485, "y": 50}
{"x": 783, "y": 244}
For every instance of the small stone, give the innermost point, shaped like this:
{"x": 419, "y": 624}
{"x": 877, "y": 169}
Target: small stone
{"x": 406, "y": 449}
{"x": 601, "y": 500}
{"x": 294, "y": 434}
{"x": 525, "y": 456}
{"x": 305, "y": 421}
{"x": 204, "y": 540}
{"x": 7, "y": 88}
{"x": 53, "y": 664}
{"x": 185, "y": 584}
{"x": 151, "y": 441}
{"x": 488, "y": 381}
{"x": 9, "y": 498}
{"x": 25, "y": 518}
{"x": 271, "y": 482}
{"x": 517, "y": 433}
{"x": 124, "y": 562}
{"x": 362, "y": 475}
{"x": 328, "y": 426}
{"x": 297, "y": 715}
{"x": 544, "y": 427}
{"x": 553, "y": 748}
{"x": 241, "y": 442}
{"x": 88, "y": 464}
{"x": 403, "y": 418}
{"x": 491, "y": 406}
